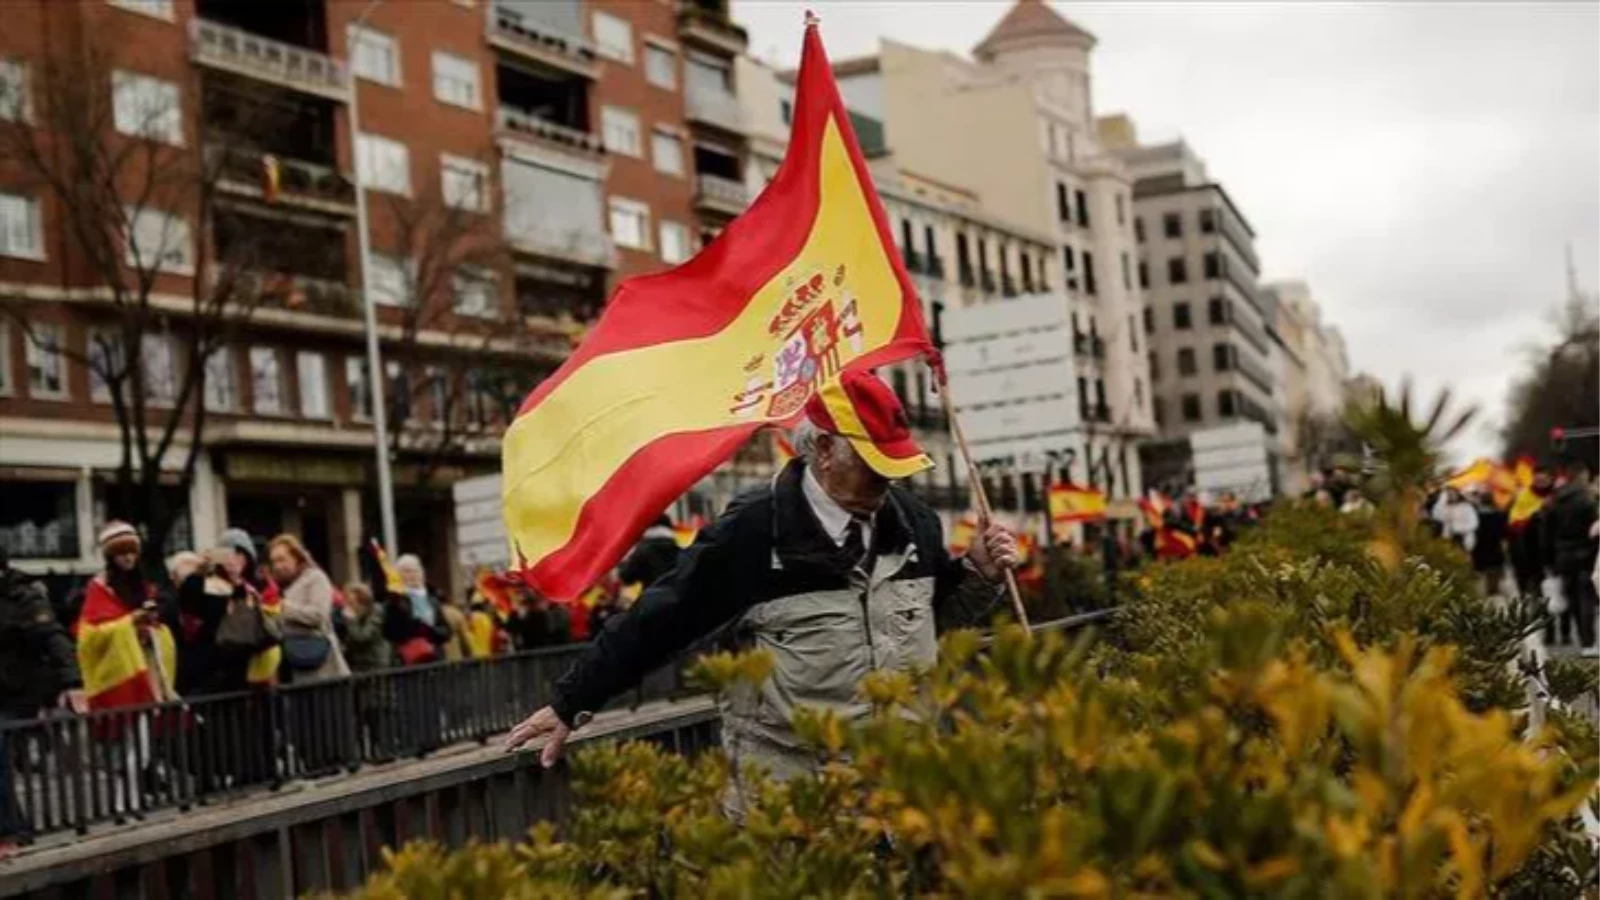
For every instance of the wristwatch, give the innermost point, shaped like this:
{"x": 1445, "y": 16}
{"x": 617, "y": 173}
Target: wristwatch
{"x": 581, "y": 719}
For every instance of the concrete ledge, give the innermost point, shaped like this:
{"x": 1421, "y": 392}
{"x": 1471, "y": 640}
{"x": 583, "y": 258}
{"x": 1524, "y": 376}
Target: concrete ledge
{"x": 174, "y": 832}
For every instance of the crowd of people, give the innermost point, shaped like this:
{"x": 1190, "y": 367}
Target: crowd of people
{"x": 244, "y": 616}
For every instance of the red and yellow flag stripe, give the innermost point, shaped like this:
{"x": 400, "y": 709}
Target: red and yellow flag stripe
{"x": 116, "y": 671}
{"x": 686, "y": 365}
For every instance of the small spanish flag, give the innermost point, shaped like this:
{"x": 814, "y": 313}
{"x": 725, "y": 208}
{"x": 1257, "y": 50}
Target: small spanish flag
{"x": 683, "y": 532}
{"x": 1070, "y": 503}
{"x": 271, "y": 177}
{"x": 686, "y": 365}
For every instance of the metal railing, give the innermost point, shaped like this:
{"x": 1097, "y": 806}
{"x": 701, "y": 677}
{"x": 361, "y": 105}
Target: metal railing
{"x": 296, "y": 177}
{"x": 68, "y": 772}
{"x": 545, "y": 39}
{"x": 301, "y": 293}
{"x": 515, "y": 120}
{"x": 722, "y": 191}
{"x": 226, "y": 47}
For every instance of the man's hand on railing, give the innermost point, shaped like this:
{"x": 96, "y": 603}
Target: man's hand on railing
{"x": 545, "y": 721}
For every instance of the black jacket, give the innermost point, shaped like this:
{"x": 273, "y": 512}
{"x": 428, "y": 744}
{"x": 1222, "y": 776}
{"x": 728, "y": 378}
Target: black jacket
{"x": 653, "y": 557}
{"x": 203, "y": 667}
{"x": 37, "y": 658}
{"x": 1489, "y": 549}
{"x": 730, "y": 569}
{"x": 1564, "y": 529}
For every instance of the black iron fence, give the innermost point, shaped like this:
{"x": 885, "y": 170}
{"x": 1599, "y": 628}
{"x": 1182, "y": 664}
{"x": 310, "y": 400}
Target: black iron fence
{"x": 73, "y": 771}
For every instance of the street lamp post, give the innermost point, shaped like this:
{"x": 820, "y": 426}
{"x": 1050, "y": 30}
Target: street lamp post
{"x": 375, "y": 375}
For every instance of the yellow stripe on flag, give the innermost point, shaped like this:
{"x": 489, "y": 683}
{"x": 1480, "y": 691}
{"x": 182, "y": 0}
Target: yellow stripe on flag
{"x": 607, "y": 410}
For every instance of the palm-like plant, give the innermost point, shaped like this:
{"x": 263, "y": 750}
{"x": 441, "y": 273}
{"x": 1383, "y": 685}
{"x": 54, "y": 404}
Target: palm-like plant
{"x": 1408, "y": 452}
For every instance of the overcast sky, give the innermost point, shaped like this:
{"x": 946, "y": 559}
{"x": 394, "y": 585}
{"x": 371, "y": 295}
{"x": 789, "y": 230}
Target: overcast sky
{"x": 1422, "y": 166}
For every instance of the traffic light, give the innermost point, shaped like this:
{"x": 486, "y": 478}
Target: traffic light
{"x": 1558, "y": 439}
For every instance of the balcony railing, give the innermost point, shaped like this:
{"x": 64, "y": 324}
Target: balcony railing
{"x": 581, "y": 245}
{"x": 722, "y": 194}
{"x": 713, "y": 28}
{"x": 301, "y": 293}
{"x": 968, "y": 277}
{"x": 543, "y": 42}
{"x": 246, "y": 170}
{"x": 913, "y": 260}
{"x": 1102, "y": 413}
{"x": 935, "y": 266}
{"x": 927, "y": 418}
{"x": 1008, "y": 285}
{"x": 1097, "y": 346}
{"x": 717, "y": 108}
{"x": 948, "y": 497}
{"x": 520, "y": 123}
{"x": 987, "y": 278}
{"x": 243, "y": 53}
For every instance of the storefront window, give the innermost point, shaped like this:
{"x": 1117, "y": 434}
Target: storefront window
{"x": 39, "y": 519}
{"x": 180, "y": 535}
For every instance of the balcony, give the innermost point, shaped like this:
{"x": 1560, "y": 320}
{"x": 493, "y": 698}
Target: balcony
{"x": 967, "y": 277}
{"x": 300, "y": 293}
{"x": 935, "y": 266}
{"x": 914, "y": 260}
{"x": 947, "y": 497}
{"x": 517, "y": 124}
{"x": 1097, "y": 346}
{"x": 1008, "y": 285}
{"x": 712, "y": 29}
{"x": 927, "y": 418}
{"x": 235, "y": 50}
{"x": 589, "y": 247}
{"x": 721, "y": 195}
{"x": 1101, "y": 413}
{"x": 244, "y": 172}
{"x": 719, "y": 109}
{"x": 542, "y": 43}
{"x": 986, "y": 277}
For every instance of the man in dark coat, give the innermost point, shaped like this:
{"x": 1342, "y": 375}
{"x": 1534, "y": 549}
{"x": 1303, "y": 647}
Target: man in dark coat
{"x": 654, "y": 555}
{"x": 38, "y": 670}
{"x": 831, "y": 569}
{"x": 1569, "y": 548}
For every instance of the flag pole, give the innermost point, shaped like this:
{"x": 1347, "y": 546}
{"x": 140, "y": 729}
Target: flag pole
{"x": 978, "y": 495}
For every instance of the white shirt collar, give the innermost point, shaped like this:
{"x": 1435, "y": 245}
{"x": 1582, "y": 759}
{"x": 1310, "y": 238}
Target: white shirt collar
{"x": 835, "y": 519}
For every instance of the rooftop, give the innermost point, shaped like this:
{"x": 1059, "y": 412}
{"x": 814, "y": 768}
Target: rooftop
{"x": 1031, "y": 19}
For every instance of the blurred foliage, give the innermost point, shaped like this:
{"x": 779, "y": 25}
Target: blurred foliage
{"x": 1333, "y": 709}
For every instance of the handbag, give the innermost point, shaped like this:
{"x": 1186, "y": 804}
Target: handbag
{"x": 416, "y": 651}
{"x": 1555, "y": 600}
{"x": 245, "y": 628}
{"x": 304, "y": 652}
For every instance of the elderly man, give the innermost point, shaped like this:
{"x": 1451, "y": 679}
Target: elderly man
{"x": 831, "y": 569}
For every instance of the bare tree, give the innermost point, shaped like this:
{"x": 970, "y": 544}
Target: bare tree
{"x": 452, "y": 326}
{"x": 133, "y": 201}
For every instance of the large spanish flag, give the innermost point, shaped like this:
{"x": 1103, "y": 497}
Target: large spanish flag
{"x": 684, "y": 366}
{"x": 116, "y": 668}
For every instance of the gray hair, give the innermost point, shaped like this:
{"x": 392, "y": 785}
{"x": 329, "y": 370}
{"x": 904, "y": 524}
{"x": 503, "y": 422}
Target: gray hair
{"x": 804, "y": 439}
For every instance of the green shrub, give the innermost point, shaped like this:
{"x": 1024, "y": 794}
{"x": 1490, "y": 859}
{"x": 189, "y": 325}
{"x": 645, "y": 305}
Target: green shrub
{"x": 1330, "y": 710}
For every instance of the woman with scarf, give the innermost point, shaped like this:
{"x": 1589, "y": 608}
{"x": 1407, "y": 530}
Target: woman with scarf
{"x": 128, "y": 658}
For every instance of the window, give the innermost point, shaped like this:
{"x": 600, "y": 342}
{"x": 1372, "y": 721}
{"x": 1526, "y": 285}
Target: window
{"x": 1138, "y": 229}
{"x": 383, "y": 164}
{"x": 5, "y": 360}
{"x": 630, "y": 223}
{"x": 1100, "y": 398}
{"x": 355, "y": 379}
{"x": 389, "y": 280}
{"x": 667, "y": 150}
{"x": 1122, "y": 218}
{"x": 1138, "y": 393}
{"x": 439, "y": 393}
{"x": 1181, "y": 318}
{"x": 1177, "y": 270}
{"x": 620, "y": 129}
{"x": 47, "y": 373}
{"x": 146, "y": 107}
{"x": 1222, "y": 357}
{"x": 1063, "y": 203}
{"x": 674, "y": 242}
{"x": 1158, "y": 410}
{"x": 1172, "y": 225}
{"x": 156, "y": 9}
{"x": 1083, "y": 209}
{"x": 1186, "y": 361}
{"x": 613, "y": 37}
{"x": 1217, "y": 311}
{"x": 1144, "y": 274}
{"x": 1225, "y": 404}
{"x": 1149, "y": 320}
{"x": 455, "y": 81}
{"x": 1133, "y": 334}
{"x": 464, "y": 183}
{"x": 1083, "y": 397}
{"x": 222, "y": 381}
{"x": 312, "y": 369}
{"x": 1208, "y": 221}
{"x": 396, "y": 393}
{"x": 159, "y": 241}
{"x": 376, "y": 57}
{"x": 20, "y": 234}
{"x": 476, "y": 292}
{"x": 1088, "y": 274}
{"x": 1127, "y": 273}
{"x": 266, "y": 381}
{"x": 1023, "y": 262}
{"x": 1155, "y": 366}
{"x": 1191, "y": 407}
{"x": 15, "y": 99}
{"x": 160, "y": 367}
{"x": 661, "y": 66}
{"x": 106, "y": 360}
{"x": 1213, "y": 264}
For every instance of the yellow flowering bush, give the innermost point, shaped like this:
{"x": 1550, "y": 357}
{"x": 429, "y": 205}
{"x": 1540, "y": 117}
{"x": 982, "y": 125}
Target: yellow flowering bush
{"x": 1302, "y": 718}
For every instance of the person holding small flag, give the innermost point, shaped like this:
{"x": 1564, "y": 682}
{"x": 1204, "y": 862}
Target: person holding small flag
{"x": 832, "y": 568}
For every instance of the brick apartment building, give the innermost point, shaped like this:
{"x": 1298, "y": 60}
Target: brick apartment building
{"x": 519, "y": 157}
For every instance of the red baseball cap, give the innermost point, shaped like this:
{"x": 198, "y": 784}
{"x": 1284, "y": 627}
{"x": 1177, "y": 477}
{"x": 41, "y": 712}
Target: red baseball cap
{"x": 859, "y": 407}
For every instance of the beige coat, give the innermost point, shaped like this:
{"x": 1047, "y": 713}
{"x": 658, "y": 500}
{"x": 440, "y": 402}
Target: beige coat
{"x": 308, "y": 609}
